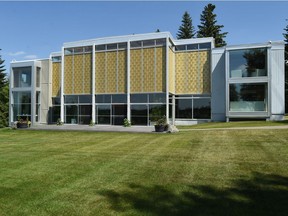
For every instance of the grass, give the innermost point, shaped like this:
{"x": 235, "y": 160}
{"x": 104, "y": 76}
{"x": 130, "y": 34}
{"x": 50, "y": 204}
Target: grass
{"x": 188, "y": 173}
{"x": 235, "y": 124}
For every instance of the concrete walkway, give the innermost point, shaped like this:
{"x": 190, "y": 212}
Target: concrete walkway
{"x": 100, "y": 128}
{"x": 238, "y": 128}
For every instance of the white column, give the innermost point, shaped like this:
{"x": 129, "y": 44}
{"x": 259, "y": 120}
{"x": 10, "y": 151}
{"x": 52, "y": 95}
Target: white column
{"x": 167, "y": 79}
{"x": 93, "y": 84}
{"x": 128, "y": 81}
{"x": 33, "y": 93}
{"x": 62, "y": 87}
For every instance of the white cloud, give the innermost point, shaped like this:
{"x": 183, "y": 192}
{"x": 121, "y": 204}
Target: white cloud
{"x": 16, "y": 53}
{"x": 30, "y": 57}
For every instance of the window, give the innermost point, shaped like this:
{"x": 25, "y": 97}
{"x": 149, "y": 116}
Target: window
{"x": 201, "y": 108}
{"x": 22, "y": 77}
{"x": 103, "y": 98}
{"x": 135, "y": 44}
{"x": 21, "y": 105}
{"x": 248, "y": 63}
{"x": 139, "y": 98}
{"x": 139, "y": 114}
{"x": 248, "y": 97}
{"x": 56, "y": 59}
{"x": 183, "y": 108}
{"x": 38, "y": 77}
{"x": 111, "y": 46}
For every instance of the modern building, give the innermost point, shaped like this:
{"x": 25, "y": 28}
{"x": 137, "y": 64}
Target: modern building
{"x": 143, "y": 77}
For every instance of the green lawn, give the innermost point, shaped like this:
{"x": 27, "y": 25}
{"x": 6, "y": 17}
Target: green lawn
{"x": 235, "y": 124}
{"x": 189, "y": 173}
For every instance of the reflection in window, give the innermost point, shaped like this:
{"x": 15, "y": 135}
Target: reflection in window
{"x": 139, "y": 114}
{"x": 183, "y": 108}
{"x": 248, "y": 97}
{"x": 22, "y": 77}
{"x": 201, "y": 108}
{"x": 248, "y": 63}
{"x": 21, "y": 105}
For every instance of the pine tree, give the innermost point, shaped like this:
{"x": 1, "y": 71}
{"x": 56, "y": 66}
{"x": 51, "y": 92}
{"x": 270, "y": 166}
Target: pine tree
{"x": 4, "y": 96}
{"x": 285, "y": 34}
{"x": 3, "y": 80}
{"x": 209, "y": 28}
{"x": 186, "y": 30}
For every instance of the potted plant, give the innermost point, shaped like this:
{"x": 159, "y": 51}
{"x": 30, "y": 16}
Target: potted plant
{"x": 161, "y": 124}
{"x": 23, "y": 123}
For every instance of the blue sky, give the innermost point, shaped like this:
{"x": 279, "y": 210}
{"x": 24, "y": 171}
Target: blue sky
{"x": 35, "y": 29}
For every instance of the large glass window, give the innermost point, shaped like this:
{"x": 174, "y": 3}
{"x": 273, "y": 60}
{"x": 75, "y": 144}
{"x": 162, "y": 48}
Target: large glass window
{"x": 85, "y": 114}
{"x": 22, "y": 77}
{"x": 103, "y": 114}
{"x": 156, "y": 112}
{"x": 119, "y": 113}
{"x": 139, "y": 114}
{"x": 139, "y": 98}
{"x": 71, "y": 114}
{"x": 248, "y": 62}
{"x": 183, "y": 108}
{"x": 21, "y": 105}
{"x": 201, "y": 108}
{"x": 248, "y": 97}
{"x": 38, "y": 70}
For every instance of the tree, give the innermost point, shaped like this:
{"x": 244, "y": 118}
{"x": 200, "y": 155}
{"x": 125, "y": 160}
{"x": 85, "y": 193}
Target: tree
{"x": 208, "y": 26}
{"x": 186, "y": 30}
{"x": 4, "y": 96}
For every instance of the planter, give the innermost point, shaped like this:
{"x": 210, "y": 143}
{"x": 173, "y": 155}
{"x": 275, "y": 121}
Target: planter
{"x": 22, "y": 125}
{"x": 159, "y": 128}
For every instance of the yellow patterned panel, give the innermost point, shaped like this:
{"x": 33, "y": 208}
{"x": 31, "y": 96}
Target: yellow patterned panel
{"x": 87, "y": 73}
{"x": 171, "y": 72}
{"x": 111, "y": 72}
{"x": 78, "y": 74}
{"x": 192, "y": 73}
{"x": 205, "y": 77}
{"x": 135, "y": 71}
{"x": 100, "y": 73}
{"x": 56, "y": 78}
{"x": 160, "y": 69}
{"x": 122, "y": 71}
{"x": 148, "y": 70}
{"x": 68, "y": 74}
{"x": 180, "y": 69}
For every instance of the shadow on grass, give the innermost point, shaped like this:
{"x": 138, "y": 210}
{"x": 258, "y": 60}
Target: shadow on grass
{"x": 261, "y": 195}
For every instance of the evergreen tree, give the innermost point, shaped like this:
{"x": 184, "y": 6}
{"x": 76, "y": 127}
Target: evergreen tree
{"x": 209, "y": 28}
{"x": 285, "y": 34}
{"x": 4, "y": 96}
{"x": 3, "y": 80}
{"x": 186, "y": 30}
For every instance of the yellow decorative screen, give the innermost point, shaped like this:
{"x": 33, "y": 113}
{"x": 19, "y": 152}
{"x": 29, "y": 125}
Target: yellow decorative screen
{"x": 160, "y": 69}
{"x": 122, "y": 71}
{"x": 111, "y": 66}
{"x": 78, "y": 73}
{"x": 56, "y": 78}
{"x": 136, "y": 70}
{"x": 192, "y": 72}
{"x": 148, "y": 70}
{"x": 68, "y": 74}
{"x": 100, "y": 76}
{"x": 87, "y": 79}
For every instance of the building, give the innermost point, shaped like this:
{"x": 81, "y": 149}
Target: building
{"x": 143, "y": 77}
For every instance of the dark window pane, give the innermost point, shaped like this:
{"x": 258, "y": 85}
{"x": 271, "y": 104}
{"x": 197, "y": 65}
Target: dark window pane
{"x": 88, "y": 49}
{"x": 180, "y": 47}
{"x": 139, "y": 110}
{"x": 192, "y": 47}
{"x": 104, "y": 120}
{"x": 118, "y": 120}
{"x": 68, "y": 51}
{"x": 84, "y": 120}
{"x": 161, "y": 41}
{"x": 103, "y": 98}
{"x": 71, "y": 99}
{"x": 22, "y": 77}
{"x": 149, "y": 43}
{"x": 122, "y": 46}
{"x": 201, "y": 108}
{"x": 85, "y": 110}
{"x": 56, "y": 101}
{"x": 111, "y": 46}
{"x": 119, "y": 110}
{"x": 71, "y": 110}
{"x": 205, "y": 46}
{"x": 139, "y": 98}
{"x": 100, "y": 47}
{"x": 119, "y": 98}
{"x": 104, "y": 110}
{"x": 139, "y": 120}
{"x": 22, "y": 97}
{"x": 55, "y": 114}
{"x": 183, "y": 108}
{"x": 85, "y": 98}
{"x": 157, "y": 98}
{"x": 71, "y": 119}
{"x": 136, "y": 44}
{"x": 78, "y": 50}
{"x": 56, "y": 59}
